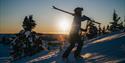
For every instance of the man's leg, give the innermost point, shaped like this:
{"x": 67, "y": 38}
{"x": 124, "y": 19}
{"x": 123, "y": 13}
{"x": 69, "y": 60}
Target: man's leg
{"x": 78, "y": 50}
{"x": 68, "y": 50}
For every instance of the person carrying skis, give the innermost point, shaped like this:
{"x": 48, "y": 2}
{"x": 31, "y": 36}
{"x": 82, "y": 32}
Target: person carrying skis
{"x": 74, "y": 36}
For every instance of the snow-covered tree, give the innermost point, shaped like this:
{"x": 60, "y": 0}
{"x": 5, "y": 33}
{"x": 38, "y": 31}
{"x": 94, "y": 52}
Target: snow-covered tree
{"x": 27, "y": 42}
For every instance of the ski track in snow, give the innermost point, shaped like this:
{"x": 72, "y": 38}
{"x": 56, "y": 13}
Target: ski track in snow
{"x": 110, "y": 38}
{"x": 44, "y": 57}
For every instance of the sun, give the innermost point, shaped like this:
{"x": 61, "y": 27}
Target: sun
{"x": 64, "y": 25}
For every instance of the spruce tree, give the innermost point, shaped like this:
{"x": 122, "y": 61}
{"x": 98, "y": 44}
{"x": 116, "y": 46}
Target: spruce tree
{"x": 114, "y": 25}
{"x": 28, "y": 23}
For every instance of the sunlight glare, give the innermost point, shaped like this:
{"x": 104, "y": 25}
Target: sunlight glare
{"x": 64, "y": 25}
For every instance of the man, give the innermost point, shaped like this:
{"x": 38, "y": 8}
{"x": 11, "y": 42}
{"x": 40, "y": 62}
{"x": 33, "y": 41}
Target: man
{"x": 74, "y": 36}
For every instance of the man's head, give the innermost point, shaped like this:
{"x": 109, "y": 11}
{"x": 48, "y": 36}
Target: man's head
{"x": 78, "y": 10}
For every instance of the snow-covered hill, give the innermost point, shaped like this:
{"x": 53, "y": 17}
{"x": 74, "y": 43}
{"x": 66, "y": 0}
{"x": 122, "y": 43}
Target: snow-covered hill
{"x": 105, "y": 49}
{"x": 110, "y": 49}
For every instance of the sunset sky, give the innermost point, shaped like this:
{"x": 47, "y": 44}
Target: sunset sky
{"x": 12, "y": 13}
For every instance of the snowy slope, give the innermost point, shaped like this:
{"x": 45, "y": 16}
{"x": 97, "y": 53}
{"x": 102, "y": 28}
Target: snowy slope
{"x": 109, "y": 49}
{"x": 106, "y": 49}
{"x": 4, "y": 52}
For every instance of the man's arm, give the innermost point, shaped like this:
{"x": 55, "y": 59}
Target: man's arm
{"x": 87, "y": 18}
{"x": 62, "y": 10}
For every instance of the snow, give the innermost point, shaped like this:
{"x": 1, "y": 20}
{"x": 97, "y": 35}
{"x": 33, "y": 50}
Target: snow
{"x": 4, "y": 53}
{"x": 107, "y": 49}
{"x": 104, "y": 49}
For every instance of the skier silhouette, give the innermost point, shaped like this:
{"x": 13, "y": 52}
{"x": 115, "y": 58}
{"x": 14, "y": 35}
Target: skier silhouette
{"x": 74, "y": 36}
